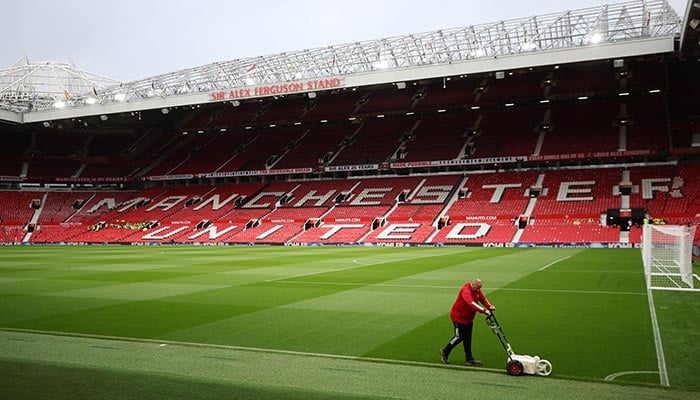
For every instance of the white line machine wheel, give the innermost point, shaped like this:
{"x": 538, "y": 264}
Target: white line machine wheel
{"x": 544, "y": 367}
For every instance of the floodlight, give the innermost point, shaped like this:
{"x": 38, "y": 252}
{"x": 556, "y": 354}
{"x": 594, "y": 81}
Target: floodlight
{"x": 59, "y": 104}
{"x": 103, "y": 118}
{"x": 47, "y": 124}
{"x": 165, "y": 110}
{"x": 120, "y": 97}
{"x": 401, "y": 85}
{"x": 596, "y": 38}
{"x": 90, "y": 100}
{"x": 312, "y": 95}
{"x": 150, "y": 93}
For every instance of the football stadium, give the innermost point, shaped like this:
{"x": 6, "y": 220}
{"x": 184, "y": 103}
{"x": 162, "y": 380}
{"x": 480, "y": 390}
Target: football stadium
{"x": 298, "y": 225}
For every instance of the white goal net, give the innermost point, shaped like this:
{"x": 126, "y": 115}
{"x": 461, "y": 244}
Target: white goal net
{"x": 667, "y": 253}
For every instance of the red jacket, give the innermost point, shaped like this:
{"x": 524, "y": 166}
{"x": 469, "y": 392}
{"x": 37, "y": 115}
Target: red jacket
{"x": 467, "y": 305}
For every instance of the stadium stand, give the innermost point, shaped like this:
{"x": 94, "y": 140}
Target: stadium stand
{"x": 583, "y": 151}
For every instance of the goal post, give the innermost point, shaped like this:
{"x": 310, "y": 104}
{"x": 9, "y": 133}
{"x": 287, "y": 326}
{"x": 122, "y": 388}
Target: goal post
{"x": 667, "y": 254}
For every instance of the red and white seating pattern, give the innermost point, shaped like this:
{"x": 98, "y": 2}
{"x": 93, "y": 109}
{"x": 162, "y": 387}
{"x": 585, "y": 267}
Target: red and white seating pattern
{"x": 379, "y": 210}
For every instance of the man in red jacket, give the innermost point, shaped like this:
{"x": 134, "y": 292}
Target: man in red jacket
{"x": 463, "y": 312}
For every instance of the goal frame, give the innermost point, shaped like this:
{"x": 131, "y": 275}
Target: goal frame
{"x": 667, "y": 254}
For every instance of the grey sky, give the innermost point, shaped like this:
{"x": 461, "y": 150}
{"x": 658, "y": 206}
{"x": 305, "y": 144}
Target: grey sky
{"x": 134, "y": 39}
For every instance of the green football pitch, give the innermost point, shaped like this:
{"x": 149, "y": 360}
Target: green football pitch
{"x": 334, "y": 322}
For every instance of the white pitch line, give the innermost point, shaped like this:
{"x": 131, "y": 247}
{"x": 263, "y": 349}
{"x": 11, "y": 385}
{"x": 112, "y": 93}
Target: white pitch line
{"x": 457, "y": 287}
{"x": 553, "y": 262}
{"x": 161, "y": 343}
{"x": 623, "y": 373}
{"x": 661, "y": 359}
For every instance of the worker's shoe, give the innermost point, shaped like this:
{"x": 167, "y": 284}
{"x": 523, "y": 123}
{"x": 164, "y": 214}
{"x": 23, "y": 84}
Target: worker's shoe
{"x": 443, "y": 357}
{"x": 474, "y": 363}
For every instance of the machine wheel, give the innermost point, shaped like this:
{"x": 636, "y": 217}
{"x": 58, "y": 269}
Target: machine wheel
{"x": 544, "y": 368}
{"x": 514, "y": 367}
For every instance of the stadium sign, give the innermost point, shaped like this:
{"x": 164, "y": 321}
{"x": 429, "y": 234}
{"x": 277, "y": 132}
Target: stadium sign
{"x": 282, "y": 171}
{"x": 466, "y": 161}
{"x": 277, "y": 89}
{"x": 591, "y": 155}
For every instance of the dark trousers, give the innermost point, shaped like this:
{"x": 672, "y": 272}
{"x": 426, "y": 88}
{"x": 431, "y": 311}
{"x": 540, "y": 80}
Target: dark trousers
{"x": 463, "y": 334}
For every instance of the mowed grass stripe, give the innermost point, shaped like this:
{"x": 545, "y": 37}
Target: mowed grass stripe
{"x": 146, "y": 369}
{"x": 572, "y": 313}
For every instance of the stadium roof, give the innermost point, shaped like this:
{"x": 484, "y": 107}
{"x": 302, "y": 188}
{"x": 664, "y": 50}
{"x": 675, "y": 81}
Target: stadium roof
{"x": 33, "y": 92}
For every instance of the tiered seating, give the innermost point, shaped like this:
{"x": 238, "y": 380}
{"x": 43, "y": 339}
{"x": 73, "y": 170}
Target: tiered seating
{"x": 453, "y": 94}
{"x": 106, "y": 144}
{"x": 401, "y": 232}
{"x": 332, "y": 105}
{"x": 331, "y": 232}
{"x": 270, "y": 143}
{"x": 132, "y": 212}
{"x": 660, "y": 178}
{"x": 56, "y": 233}
{"x": 569, "y": 231}
{"x": 15, "y": 207}
{"x": 288, "y": 109}
{"x": 12, "y": 233}
{"x": 675, "y": 191}
{"x": 191, "y": 148}
{"x": 439, "y": 137}
{"x": 583, "y": 127}
{"x": 213, "y": 155}
{"x": 97, "y": 205}
{"x": 480, "y": 204}
{"x": 59, "y": 206}
{"x": 593, "y": 188}
{"x": 683, "y": 114}
{"x": 584, "y": 78}
{"x": 648, "y": 132}
{"x": 476, "y": 231}
{"x": 319, "y": 141}
{"x": 388, "y": 102}
{"x": 216, "y": 204}
{"x": 508, "y": 133}
{"x": 375, "y": 142}
{"x": 234, "y": 116}
{"x": 513, "y": 87}
{"x": 10, "y": 166}
{"x": 415, "y": 213}
{"x": 53, "y": 168}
